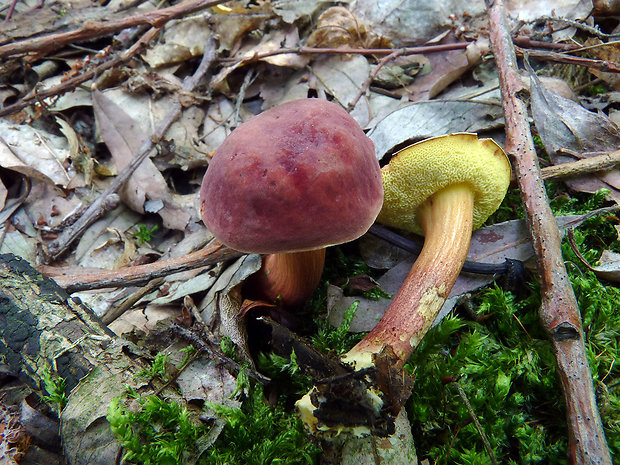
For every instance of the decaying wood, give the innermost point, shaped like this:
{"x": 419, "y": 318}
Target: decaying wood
{"x": 45, "y": 330}
{"x": 559, "y": 312}
{"x": 214, "y": 252}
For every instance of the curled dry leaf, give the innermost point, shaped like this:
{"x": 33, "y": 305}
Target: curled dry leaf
{"x": 338, "y": 27}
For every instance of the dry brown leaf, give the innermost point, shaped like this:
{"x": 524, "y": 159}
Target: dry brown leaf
{"x": 123, "y": 138}
{"x": 445, "y": 68}
{"x": 609, "y": 52}
{"x": 338, "y": 27}
{"x": 34, "y": 153}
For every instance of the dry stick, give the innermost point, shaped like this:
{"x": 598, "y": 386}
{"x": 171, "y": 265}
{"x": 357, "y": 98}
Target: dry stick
{"x": 354, "y": 51}
{"x": 384, "y": 61}
{"x": 474, "y": 417}
{"x": 526, "y": 42}
{"x": 75, "y": 81}
{"x": 602, "y": 65}
{"x": 577, "y": 168}
{"x": 559, "y": 312}
{"x": 60, "y": 245}
{"x": 97, "y": 29}
{"x": 214, "y": 252}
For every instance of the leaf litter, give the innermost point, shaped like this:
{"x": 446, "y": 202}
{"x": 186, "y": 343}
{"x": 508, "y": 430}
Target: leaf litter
{"x": 415, "y": 97}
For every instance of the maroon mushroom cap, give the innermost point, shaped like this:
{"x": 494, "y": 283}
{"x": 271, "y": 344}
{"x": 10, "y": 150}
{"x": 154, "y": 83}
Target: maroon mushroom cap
{"x": 300, "y": 176}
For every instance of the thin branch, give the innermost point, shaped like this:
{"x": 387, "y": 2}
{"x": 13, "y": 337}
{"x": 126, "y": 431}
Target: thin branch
{"x": 97, "y": 29}
{"x": 75, "y": 81}
{"x": 474, "y": 417}
{"x": 132, "y": 275}
{"x": 252, "y": 57}
{"x": 588, "y": 165}
{"x": 559, "y": 312}
{"x": 384, "y": 61}
{"x": 66, "y": 238}
{"x": 601, "y": 65}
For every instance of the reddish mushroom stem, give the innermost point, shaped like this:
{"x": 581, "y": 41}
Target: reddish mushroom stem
{"x": 446, "y": 219}
{"x": 288, "y": 278}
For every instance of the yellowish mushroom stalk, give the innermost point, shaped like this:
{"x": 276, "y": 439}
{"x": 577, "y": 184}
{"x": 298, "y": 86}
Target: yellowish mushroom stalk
{"x": 444, "y": 188}
{"x": 288, "y": 278}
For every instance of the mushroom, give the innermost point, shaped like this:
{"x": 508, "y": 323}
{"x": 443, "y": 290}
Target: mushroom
{"x": 288, "y": 183}
{"x": 444, "y": 188}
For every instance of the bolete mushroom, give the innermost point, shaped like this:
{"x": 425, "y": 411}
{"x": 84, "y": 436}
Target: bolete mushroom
{"x": 444, "y": 188}
{"x": 287, "y": 183}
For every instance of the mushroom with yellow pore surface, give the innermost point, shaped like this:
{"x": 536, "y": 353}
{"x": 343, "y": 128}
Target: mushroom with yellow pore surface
{"x": 444, "y": 188}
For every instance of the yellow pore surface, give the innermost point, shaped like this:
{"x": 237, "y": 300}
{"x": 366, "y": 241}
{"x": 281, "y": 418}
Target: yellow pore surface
{"x": 417, "y": 172}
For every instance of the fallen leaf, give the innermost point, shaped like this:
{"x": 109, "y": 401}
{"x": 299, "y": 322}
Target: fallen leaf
{"x": 421, "y": 120}
{"x": 565, "y": 126}
{"x": 223, "y": 301}
{"x": 292, "y": 10}
{"x": 124, "y": 138}
{"x": 180, "y": 41}
{"x": 342, "y": 78}
{"x": 443, "y": 69}
{"x": 338, "y": 27}
{"x": 413, "y": 21}
{"x": 33, "y": 152}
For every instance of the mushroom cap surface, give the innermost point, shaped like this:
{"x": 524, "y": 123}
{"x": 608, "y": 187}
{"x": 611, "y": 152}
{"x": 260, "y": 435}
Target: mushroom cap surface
{"x": 417, "y": 172}
{"x": 300, "y": 176}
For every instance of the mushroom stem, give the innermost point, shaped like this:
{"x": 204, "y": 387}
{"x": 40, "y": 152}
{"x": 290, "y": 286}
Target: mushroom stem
{"x": 446, "y": 219}
{"x": 288, "y": 278}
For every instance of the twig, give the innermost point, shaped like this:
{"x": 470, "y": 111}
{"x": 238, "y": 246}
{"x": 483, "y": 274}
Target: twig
{"x": 97, "y": 29}
{"x": 526, "y": 42}
{"x": 249, "y": 78}
{"x": 584, "y": 166}
{"x": 66, "y": 238}
{"x": 477, "y": 424}
{"x": 250, "y": 58}
{"x": 75, "y": 81}
{"x": 602, "y": 65}
{"x": 578, "y": 25}
{"x": 132, "y": 275}
{"x": 559, "y": 312}
{"x": 384, "y": 61}
{"x": 206, "y": 342}
{"x": 115, "y": 312}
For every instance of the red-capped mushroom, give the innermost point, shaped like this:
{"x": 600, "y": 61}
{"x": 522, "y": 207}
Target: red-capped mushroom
{"x": 288, "y": 183}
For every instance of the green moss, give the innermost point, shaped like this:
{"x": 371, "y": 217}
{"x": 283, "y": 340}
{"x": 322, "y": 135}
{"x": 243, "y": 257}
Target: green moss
{"x": 257, "y": 434}
{"x": 505, "y": 364}
{"x": 158, "y": 431}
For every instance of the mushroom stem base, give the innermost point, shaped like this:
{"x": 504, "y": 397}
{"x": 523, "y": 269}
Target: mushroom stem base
{"x": 287, "y": 279}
